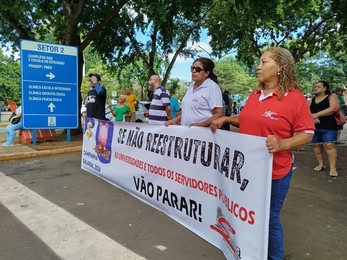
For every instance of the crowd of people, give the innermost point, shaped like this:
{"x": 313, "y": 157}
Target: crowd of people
{"x": 275, "y": 109}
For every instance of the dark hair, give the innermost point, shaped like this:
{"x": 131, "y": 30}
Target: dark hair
{"x": 208, "y": 65}
{"x": 96, "y": 75}
{"x": 327, "y": 87}
{"x": 339, "y": 90}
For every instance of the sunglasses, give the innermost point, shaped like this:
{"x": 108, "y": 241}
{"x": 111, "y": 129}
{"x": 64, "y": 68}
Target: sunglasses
{"x": 197, "y": 69}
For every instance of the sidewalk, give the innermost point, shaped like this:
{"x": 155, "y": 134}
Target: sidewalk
{"x": 20, "y": 151}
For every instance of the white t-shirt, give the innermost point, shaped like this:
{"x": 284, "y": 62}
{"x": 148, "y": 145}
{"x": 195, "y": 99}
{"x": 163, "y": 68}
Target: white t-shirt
{"x": 197, "y": 105}
{"x": 19, "y": 110}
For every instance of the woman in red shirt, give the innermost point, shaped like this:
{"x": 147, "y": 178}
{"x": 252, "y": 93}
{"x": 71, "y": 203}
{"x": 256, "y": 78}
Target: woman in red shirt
{"x": 279, "y": 111}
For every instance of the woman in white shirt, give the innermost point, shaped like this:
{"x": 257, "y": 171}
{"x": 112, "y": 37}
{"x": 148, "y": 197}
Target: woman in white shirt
{"x": 203, "y": 100}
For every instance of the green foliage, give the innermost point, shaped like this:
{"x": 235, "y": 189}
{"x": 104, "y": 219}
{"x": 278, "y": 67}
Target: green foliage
{"x": 340, "y": 7}
{"x": 130, "y": 40}
{"x": 22, "y": 19}
{"x": 9, "y": 79}
{"x": 173, "y": 85}
{"x": 320, "y": 67}
{"x": 232, "y": 77}
{"x": 303, "y": 26}
{"x": 148, "y": 32}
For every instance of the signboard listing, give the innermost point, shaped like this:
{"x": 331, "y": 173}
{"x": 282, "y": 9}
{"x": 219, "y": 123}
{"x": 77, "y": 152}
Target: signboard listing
{"x": 49, "y": 85}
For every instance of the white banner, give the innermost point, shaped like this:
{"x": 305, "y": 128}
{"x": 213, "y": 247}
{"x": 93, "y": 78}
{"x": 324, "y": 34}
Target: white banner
{"x": 217, "y": 185}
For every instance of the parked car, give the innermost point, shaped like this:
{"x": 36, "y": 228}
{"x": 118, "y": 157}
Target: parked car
{"x": 142, "y": 112}
{"x": 5, "y": 108}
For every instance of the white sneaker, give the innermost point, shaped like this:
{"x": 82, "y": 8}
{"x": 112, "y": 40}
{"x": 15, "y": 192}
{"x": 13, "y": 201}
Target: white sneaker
{"x": 7, "y": 144}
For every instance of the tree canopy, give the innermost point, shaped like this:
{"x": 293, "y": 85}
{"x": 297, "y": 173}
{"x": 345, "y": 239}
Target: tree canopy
{"x": 9, "y": 79}
{"x": 305, "y": 27}
{"x": 137, "y": 38}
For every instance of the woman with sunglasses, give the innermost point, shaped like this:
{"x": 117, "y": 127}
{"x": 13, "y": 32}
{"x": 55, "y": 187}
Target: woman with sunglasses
{"x": 278, "y": 111}
{"x": 203, "y": 100}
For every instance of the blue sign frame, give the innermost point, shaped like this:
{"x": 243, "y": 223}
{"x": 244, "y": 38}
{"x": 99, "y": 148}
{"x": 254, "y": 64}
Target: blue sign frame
{"x": 49, "y": 80}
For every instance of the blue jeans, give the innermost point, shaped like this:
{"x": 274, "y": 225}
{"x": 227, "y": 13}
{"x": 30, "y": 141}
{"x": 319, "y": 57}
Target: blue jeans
{"x": 324, "y": 136}
{"x": 11, "y": 131}
{"x": 279, "y": 192}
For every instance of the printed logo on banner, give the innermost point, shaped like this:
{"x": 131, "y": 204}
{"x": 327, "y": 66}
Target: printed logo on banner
{"x": 224, "y": 228}
{"x": 103, "y": 138}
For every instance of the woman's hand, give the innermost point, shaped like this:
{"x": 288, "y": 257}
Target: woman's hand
{"x": 170, "y": 122}
{"x": 273, "y": 144}
{"x": 174, "y": 121}
{"x": 315, "y": 115}
{"x": 316, "y": 120}
{"x": 196, "y": 124}
{"x": 216, "y": 123}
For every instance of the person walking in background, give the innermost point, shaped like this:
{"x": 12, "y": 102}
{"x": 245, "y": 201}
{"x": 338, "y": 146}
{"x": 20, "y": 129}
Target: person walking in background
{"x": 323, "y": 106}
{"x": 175, "y": 107}
{"x": 121, "y": 112}
{"x": 159, "y": 110}
{"x": 96, "y": 98}
{"x": 227, "y": 108}
{"x": 227, "y": 102}
{"x": 13, "y": 126}
{"x": 339, "y": 93}
{"x": 278, "y": 111}
{"x": 131, "y": 101}
{"x": 203, "y": 100}
{"x": 238, "y": 106}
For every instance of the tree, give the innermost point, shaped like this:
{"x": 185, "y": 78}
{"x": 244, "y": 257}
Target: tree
{"x": 301, "y": 26}
{"x": 232, "y": 77}
{"x": 340, "y": 7}
{"x": 149, "y": 32}
{"x": 75, "y": 23}
{"x": 320, "y": 67}
{"x": 9, "y": 79}
{"x": 110, "y": 27}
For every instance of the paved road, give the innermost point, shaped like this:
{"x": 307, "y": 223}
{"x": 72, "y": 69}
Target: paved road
{"x": 315, "y": 212}
{"x": 68, "y": 196}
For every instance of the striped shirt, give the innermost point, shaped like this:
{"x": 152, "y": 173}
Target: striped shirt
{"x": 157, "y": 112}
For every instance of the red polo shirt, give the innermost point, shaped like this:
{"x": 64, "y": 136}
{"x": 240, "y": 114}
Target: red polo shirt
{"x": 281, "y": 118}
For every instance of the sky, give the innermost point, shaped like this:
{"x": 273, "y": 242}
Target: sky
{"x": 181, "y": 68}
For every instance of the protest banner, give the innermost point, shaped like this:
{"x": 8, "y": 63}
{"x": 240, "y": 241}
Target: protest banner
{"x": 215, "y": 184}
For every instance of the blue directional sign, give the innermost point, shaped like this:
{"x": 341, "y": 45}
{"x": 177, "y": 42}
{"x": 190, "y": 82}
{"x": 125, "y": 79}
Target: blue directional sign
{"x": 49, "y": 85}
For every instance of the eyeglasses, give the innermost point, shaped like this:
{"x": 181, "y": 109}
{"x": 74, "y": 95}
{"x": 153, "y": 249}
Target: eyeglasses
{"x": 197, "y": 69}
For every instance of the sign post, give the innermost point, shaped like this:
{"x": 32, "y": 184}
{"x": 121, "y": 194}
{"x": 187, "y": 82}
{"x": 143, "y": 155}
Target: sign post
{"x": 49, "y": 85}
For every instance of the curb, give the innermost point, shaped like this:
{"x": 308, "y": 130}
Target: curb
{"x": 25, "y": 155}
